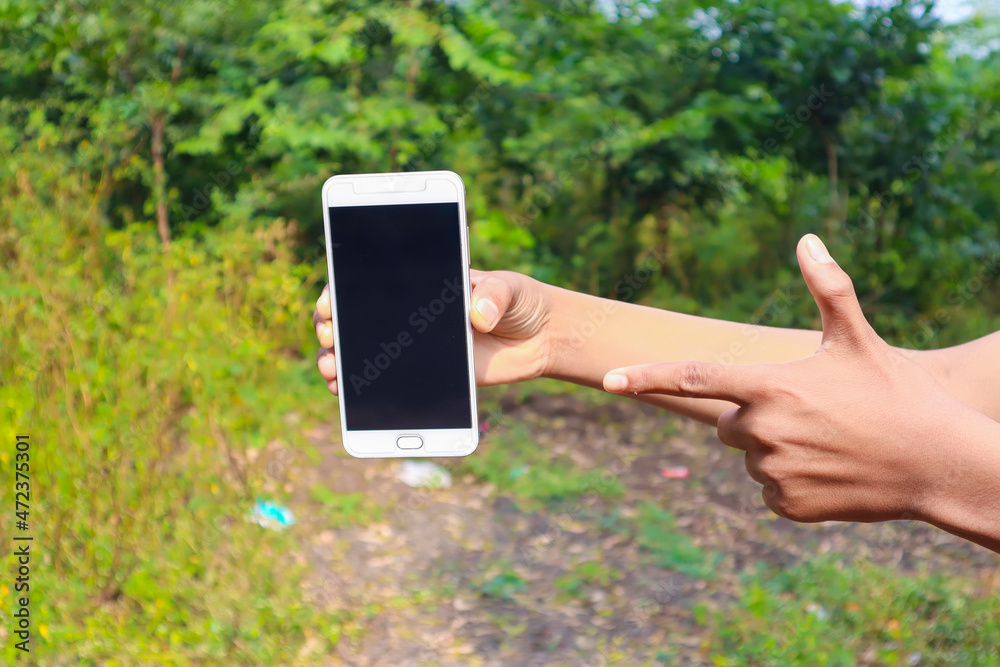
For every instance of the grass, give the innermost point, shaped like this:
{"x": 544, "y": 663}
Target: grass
{"x": 157, "y": 381}
{"x": 172, "y": 390}
{"x": 501, "y": 582}
{"x": 576, "y": 582}
{"x": 828, "y": 611}
{"x": 822, "y": 610}
{"x": 656, "y": 531}
{"x": 340, "y": 510}
{"x": 514, "y": 463}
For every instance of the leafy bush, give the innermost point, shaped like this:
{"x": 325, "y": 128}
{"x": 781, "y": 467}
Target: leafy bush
{"x": 155, "y": 384}
{"x": 710, "y": 135}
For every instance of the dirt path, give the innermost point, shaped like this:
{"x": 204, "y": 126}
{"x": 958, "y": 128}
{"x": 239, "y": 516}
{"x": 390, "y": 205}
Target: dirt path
{"x": 470, "y": 576}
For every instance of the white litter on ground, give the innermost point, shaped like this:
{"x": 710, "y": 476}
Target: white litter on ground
{"x": 423, "y": 474}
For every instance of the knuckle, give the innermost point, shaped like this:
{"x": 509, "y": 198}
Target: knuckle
{"x": 497, "y": 288}
{"x": 751, "y": 460}
{"x": 728, "y": 430}
{"x": 778, "y": 505}
{"x": 785, "y": 504}
{"x": 772, "y": 389}
{"x": 775, "y": 500}
{"x": 325, "y": 357}
{"x": 841, "y": 286}
{"x": 765, "y": 466}
{"x": 769, "y": 493}
{"x": 755, "y": 430}
{"x": 770, "y": 469}
{"x": 691, "y": 378}
{"x": 793, "y": 511}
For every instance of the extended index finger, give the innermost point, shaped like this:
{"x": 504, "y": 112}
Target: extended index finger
{"x": 692, "y": 379}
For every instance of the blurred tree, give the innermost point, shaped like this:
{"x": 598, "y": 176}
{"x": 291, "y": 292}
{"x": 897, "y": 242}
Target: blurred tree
{"x": 822, "y": 62}
{"x": 593, "y": 135}
{"x": 119, "y": 83}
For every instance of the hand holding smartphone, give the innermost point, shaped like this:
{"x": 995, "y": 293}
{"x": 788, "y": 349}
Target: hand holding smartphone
{"x": 398, "y": 261}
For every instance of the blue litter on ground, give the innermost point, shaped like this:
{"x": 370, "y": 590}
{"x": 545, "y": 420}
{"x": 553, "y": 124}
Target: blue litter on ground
{"x": 271, "y": 515}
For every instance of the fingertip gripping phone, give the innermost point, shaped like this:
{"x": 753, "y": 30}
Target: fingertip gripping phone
{"x": 398, "y": 259}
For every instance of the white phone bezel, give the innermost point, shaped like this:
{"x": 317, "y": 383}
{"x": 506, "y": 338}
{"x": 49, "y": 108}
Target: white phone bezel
{"x": 424, "y": 187}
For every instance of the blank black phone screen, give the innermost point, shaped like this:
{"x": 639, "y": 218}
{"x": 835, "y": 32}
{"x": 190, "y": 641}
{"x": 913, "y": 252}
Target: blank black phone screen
{"x": 400, "y": 303}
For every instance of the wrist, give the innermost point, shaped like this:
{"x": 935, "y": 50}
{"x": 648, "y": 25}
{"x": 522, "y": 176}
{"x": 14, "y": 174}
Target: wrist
{"x": 554, "y": 332}
{"x": 962, "y": 492}
{"x": 574, "y": 321}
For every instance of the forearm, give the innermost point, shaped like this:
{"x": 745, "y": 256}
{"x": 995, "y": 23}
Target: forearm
{"x": 962, "y": 495}
{"x": 591, "y": 336}
{"x": 968, "y": 371}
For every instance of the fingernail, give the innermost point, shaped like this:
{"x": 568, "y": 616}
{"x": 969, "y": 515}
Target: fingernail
{"x": 488, "y": 310}
{"x": 818, "y": 250}
{"x": 615, "y": 382}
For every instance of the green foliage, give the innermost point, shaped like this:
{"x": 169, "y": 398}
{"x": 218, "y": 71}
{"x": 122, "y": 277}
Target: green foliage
{"x": 157, "y": 384}
{"x": 656, "y": 531}
{"x": 345, "y": 509}
{"x": 716, "y": 133}
{"x": 824, "y": 611}
{"x": 503, "y": 585}
{"x": 575, "y": 582}
{"x": 512, "y": 461}
{"x": 670, "y": 153}
{"x": 712, "y": 134}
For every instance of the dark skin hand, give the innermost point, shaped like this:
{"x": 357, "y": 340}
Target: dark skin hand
{"x": 854, "y": 430}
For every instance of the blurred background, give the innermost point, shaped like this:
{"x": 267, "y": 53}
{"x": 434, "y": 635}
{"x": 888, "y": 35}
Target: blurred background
{"x": 161, "y": 251}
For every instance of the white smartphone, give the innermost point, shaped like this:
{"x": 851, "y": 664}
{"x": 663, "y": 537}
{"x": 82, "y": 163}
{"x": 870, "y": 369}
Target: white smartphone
{"x": 397, "y": 248}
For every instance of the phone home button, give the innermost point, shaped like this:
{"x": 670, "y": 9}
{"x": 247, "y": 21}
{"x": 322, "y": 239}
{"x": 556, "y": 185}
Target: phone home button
{"x": 409, "y": 442}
